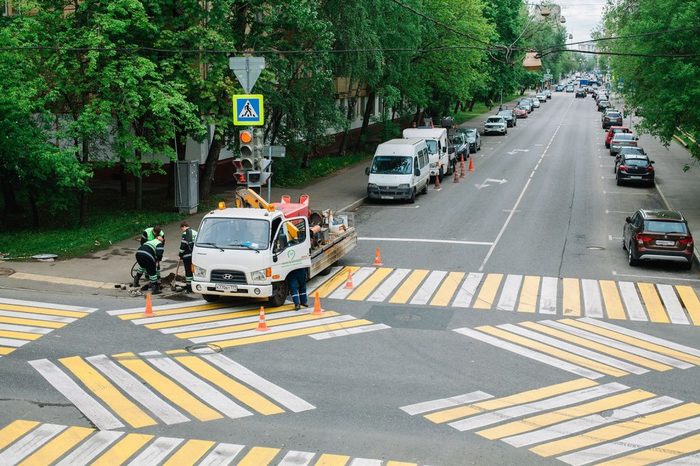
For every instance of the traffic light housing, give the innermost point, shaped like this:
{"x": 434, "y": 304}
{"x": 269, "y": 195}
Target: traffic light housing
{"x": 257, "y": 178}
{"x": 246, "y": 141}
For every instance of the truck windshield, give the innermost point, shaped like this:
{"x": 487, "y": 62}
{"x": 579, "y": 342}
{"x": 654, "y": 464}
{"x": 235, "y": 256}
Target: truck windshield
{"x": 391, "y": 165}
{"x": 234, "y": 233}
{"x": 432, "y": 146}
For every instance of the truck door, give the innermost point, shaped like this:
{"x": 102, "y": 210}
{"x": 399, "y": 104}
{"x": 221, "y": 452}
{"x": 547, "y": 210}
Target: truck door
{"x": 292, "y": 246}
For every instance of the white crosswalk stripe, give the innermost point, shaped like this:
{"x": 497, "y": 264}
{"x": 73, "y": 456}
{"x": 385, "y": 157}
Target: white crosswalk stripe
{"x": 592, "y": 300}
{"x": 428, "y": 287}
{"x": 509, "y": 295}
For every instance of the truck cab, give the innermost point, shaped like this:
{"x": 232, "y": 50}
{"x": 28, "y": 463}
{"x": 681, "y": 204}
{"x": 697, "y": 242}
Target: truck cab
{"x": 442, "y": 154}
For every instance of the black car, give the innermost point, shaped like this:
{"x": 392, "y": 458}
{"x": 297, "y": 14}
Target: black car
{"x": 473, "y": 138}
{"x": 509, "y": 117}
{"x": 658, "y": 235}
{"x": 580, "y": 92}
{"x": 627, "y": 151}
{"x": 611, "y": 118}
{"x": 636, "y": 168}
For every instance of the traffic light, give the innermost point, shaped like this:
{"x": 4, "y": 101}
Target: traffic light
{"x": 245, "y": 145}
{"x": 257, "y": 178}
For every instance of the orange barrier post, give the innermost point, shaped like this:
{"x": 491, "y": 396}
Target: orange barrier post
{"x": 378, "y": 258}
{"x": 471, "y": 164}
{"x": 317, "y": 305}
{"x": 262, "y": 325}
{"x": 348, "y": 283}
{"x": 437, "y": 182}
{"x": 462, "y": 168}
{"x": 149, "y": 306}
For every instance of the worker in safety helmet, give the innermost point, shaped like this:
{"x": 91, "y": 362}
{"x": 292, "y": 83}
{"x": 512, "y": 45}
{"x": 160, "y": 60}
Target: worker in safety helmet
{"x": 189, "y": 235}
{"x": 148, "y": 256}
{"x": 149, "y": 234}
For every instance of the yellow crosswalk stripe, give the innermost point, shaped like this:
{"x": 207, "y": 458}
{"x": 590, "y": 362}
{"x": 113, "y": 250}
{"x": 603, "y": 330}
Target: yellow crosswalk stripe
{"x": 332, "y": 460}
{"x": 690, "y": 302}
{"x": 615, "y": 431}
{"x": 528, "y": 295}
{"x": 30, "y": 322}
{"x": 290, "y": 333}
{"x": 215, "y": 318}
{"x": 58, "y": 446}
{"x": 167, "y": 388}
{"x": 613, "y": 302}
{"x": 543, "y": 420}
{"x": 231, "y": 386}
{"x": 20, "y": 335}
{"x": 254, "y": 325}
{"x": 487, "y": 295}
{"x": 635, "y": 341}
{"x": 259, "y": 456}
{"x": 652, "y": 302}
{"x": 189, "y": 453}
{"x": 447, "y": 289}
{"x": 101, "y": 387}
{"x": 551, "y": 350}
{"x": 123, "y": 450}
{"x": 451, "y": 414}
{"x": 6, "y": 350}
{"x": 15, "y": 430}
{"x": 403, "y": 294}
{"x": 339, "y": 278}
{"x": 608, "y": 350}
{"x": 42, "y": 310}
{"x": 369, "y": 284}
{"x": 659, "y": 453}
{"x": 170, "y": 312}
{"x": 572, "y": 297}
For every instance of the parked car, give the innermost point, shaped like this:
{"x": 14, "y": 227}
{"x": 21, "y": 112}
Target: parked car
{"x": 635, "y": 168}
{"x": 626, "y": 151}
{"x": 611, "y": 118}
{"x": 459, "y": 141}
{"x": 558, "y": 88}
{"x": 658, "y": 235}
{"x": 520, "y": 112}
{"x": 620, "y": 140}
{"x": 580, "y": 92}
{"x": 548, "y": 93}
{"x": 527, "y": 104}
{"x": 603, "y": 105}
{"x": 535, "y": 102}
{"x": 473, "y": 138}
{"x": 570, "y": 88}
{"x": 509, "y": 117}
{"x": 495, "y": 124}
{"x": 612, "y": 131}
{"x": 542, "y": 97}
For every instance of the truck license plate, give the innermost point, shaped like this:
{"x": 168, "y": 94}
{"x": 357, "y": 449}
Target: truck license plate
{"x": 232, "y": 288}
{"x": 663, "y": 242}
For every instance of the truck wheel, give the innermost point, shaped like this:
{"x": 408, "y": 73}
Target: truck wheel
{"x": 211, "y": 298}
{"x": 279, "y": 294}
{"x": 325, "y": 271}
{"x": 441, "y": 174}
{"x": 412, "y": 199}
{"x": 425, "y": 188}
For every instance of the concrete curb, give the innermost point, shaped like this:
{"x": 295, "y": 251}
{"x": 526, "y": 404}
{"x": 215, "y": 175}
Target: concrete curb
{"x": 354, "y": 205}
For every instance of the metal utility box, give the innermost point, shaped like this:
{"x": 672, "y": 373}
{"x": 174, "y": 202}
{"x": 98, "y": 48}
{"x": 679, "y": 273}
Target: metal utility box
{"x": 187, "y": 186}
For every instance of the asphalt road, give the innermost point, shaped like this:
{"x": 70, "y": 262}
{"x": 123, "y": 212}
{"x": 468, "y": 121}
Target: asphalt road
{"x": 531, "y": 235}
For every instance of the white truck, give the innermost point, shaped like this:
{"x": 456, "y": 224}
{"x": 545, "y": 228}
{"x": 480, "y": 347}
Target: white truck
{"x": 249, "y": 251}
{"x": 442, "y": 154}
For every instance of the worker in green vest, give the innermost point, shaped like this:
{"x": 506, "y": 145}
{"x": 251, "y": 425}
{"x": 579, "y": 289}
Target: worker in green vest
{"x": 189, "y": 235}
{"x": 149, "y": 234}
{"x": 148, "y": 256}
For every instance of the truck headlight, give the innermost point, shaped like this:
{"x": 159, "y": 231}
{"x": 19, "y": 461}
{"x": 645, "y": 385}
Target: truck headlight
{"x": 258, "y": 275}
{"x": 199, "y": 272}
{"x": 371, "y": 186}
{"x": 404, "y": 186}
{"x": 434, "y": 165}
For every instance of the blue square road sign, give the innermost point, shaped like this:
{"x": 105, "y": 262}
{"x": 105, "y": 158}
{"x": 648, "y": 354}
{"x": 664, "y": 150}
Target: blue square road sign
{"x": 248, "y": 110}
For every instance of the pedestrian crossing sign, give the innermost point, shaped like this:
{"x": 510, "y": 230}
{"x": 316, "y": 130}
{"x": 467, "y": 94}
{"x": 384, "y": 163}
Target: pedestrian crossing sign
{"x": 248, "y": 110}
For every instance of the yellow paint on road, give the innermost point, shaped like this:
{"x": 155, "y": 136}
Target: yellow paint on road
{"x": 613, "y": 302}
{"x": 409, "y": 286}
{"x": 528, "y": 295}
{"x": 487, "y": 295}
{"x": 653, "y": 304}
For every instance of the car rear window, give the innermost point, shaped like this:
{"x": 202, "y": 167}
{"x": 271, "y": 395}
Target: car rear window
{"x": 635, "y": 162}
{"x": 659, "y": 226}
{"x": 624, "y": 137}
{"x": 613, "y": 115}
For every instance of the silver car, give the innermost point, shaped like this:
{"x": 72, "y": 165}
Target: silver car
{"x": 495, "y": 124}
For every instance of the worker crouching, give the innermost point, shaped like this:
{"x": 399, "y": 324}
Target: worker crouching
{"x": 148, "y": 256}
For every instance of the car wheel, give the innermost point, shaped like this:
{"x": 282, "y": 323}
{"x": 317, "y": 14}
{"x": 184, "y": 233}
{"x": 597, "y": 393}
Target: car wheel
{"x": 505, "y": 132}
{"x": 688, "y": 266}
{"x": 607, "y": 146}
{"x": 425, "y": 188}
{"x": 630, "y": 256}
{"x": 618, "y": 180}
{"x": 412, "y": 199}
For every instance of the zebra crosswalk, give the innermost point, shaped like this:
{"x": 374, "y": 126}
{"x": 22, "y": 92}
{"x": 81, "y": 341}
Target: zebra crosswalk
{"x": 25, "y": 442}
{"x": 570, "y": 297}
{"x": 22, "y": 322}
{"x": 151, "y": 388}
{"x": 578, "y": 422}
{"x": 587, "y": 347}
{"x": 223, "y": 326}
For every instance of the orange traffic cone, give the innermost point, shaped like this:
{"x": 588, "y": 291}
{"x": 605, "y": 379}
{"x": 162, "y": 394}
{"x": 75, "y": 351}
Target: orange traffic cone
{"x": 378, "y": 258}
{"x": 462, "y": 168}
{"x": 317, "y": 305}
{"x": 471, "y": 164}
{"x": 149, "y": 306}
{"x": 348, "y": 283}
{"x": 455, "y": 179}
{"x": 437, "y": 182}
{"x": 262, "y": 326}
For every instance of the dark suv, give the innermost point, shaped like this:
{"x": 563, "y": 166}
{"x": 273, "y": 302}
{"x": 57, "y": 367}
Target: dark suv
{"x": 611, "y": 118}
{"x": 634, "y": 168}
{"x": 658, "y": 235}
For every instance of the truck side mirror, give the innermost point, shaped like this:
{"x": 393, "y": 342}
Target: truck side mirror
{"x": 628, "y": 220}
{"x": 366, "y": 170}
{"x": 416, "y": 172}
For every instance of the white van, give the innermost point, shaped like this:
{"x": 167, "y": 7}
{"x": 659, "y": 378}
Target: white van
{"x": 400, "y": 168}
{"x": 442, "y": 159}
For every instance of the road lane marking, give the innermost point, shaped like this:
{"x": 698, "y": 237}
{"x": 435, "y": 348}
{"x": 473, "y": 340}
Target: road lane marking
{"x": 572, "y": 297}
{"x": 487, "y": 295}
{"x": 429, "y": 286}
{"x": 612, "y": 300}
{"x": 468, "y": 290}
{"x": 632, "y": 302}
{"x": 449, "y": 286}
{"x": 548, "y": 299}
{"x": 59, "y": 445}
{"x": 405, "y": 291}
{"x": 383, "y": 292}
{"x": 426, "y": 240}
{"x": 528, "y": 295}
{"x": 592, "y": 300}
{"x": 509, "y": 294}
